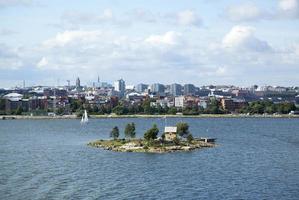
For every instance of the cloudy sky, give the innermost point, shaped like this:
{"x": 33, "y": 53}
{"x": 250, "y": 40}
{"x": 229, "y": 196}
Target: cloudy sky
{"x": 195, "y": 41}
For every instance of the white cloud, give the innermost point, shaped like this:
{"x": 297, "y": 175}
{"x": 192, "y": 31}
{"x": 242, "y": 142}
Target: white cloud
{"x": 289, "y": 8}
{"x": 243, "y": 38}
{"x": 244, "y": 12}
{"x": 188, "y": 18}
{"x": 169, "y": 38}
{"x": 67, "y": 37}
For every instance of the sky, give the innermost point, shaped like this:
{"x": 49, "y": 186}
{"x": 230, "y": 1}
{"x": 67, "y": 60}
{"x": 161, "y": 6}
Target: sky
{"x": 168, "y": 41}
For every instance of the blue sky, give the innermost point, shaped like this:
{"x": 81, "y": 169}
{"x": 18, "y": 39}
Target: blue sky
{"x": 191, "y": 41}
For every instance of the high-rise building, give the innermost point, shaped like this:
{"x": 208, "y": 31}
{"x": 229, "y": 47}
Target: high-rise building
{"x": 175, "y": 89}
{"x": 141, "y": 87}
{"x": 120, "y": 86}
{"x": 189, "y": 89}
{"x": 78, "y": 83}
{"x": 158, "y": 88}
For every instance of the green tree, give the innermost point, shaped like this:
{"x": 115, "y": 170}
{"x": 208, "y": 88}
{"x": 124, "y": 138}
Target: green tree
{"x": 114, "y": 133}
{"x": 19, "y": 110}
{"x": 152, "y": 133}
{"x": 120, "y": 110}
{"x": 130, "y": 130}
{"x": 190, "y": 138}
{"x": 2, "y": 106}
{"x": 182, "y": 129}
{"x": 172, "y": 110}
{"x": 213, "y": 107}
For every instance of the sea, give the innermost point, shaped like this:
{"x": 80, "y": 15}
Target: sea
{"x": 255, "y": 158}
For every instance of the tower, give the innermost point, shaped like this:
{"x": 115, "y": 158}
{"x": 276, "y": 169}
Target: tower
{"x": 120, "y": 86}
{"x": 78, "y": 83}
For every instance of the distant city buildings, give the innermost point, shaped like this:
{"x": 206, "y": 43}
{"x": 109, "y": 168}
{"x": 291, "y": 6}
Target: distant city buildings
{"x": 176, "y": 89}
{"x": 102, "y": 97}
{"x": 189, "y": 89}
{"x": 158, "y": 89}
{"x": 141, "y": 87}
{"x": 120, "y": 87}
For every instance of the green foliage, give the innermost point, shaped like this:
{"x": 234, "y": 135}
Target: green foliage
{"x": 182, "y": 129}
{"x": 172, "y": 111}
{"x": 75, "y": 104}
{"x": 148, "y": 109}
{"x": 19, "y": 111}
{"x": 152, "y": 133}
{"x": 120, "y": 110}
{"x": 214, "y": 108}
{"x": 261, "y": 107}
{"x": 194, "y": 110}
{"x": 114, "y": 133}
{"x": 2, "y": 104}
{"x": 60, "y": 111}
{"x": 190, "y": 138}
{"x": 176, "y": 141}
{"x": 130, "y": 130}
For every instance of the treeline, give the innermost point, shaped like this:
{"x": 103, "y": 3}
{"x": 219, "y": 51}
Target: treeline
{"x": 152, "y": 134}
{"x": 261, "y": 107}
{"x": 146, "y": 108}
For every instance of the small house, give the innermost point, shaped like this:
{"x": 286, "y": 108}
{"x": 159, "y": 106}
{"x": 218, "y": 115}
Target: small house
{"x": 170, "y": 133}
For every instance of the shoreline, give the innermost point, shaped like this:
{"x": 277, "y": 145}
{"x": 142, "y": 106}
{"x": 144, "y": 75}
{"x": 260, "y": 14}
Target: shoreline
{"x": 141, "y": 146}
{"x": 23, "y": 117}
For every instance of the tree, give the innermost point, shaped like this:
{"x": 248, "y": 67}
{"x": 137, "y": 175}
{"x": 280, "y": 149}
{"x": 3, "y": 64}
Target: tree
{"x": 130, "y": 130}
{"x": 190, "y": 138}
{"x": 19, "y": 110}
{"x": 152, "y": 133}
{"x": 182, "y": 129}
{"x": 114, "y": 133}
{"x": 120, "y": 110}
{"x": 172, "y": 111}
{"x": 2, "y": 106}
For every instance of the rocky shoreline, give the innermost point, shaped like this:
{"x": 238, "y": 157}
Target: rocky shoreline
{"x": 139, "y": 145}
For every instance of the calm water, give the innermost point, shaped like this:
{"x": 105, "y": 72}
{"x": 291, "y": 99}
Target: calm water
{"x": 49, "y": 159}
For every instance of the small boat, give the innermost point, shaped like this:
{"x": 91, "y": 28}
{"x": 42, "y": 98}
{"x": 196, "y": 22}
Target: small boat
{"x": 84, "y": 119}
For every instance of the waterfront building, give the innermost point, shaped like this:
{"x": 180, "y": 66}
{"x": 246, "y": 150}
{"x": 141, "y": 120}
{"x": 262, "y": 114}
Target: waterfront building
{"x": 179, "y": 102}
{"x": 232, "y": 104}
{"x": 120, "y": 87}
{"x": 175, "y": 89}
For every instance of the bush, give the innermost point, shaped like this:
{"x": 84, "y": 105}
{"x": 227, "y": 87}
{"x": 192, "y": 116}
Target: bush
{"x": 152, "y": 133}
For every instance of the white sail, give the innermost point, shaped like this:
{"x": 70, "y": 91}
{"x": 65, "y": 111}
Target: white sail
{"x": 84, "y": 117}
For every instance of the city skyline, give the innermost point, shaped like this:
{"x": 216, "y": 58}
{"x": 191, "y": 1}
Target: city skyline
{"x": 111, "y": 83}
{"x": 199, "y": 42}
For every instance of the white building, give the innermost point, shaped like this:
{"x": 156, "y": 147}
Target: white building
{"x": 120, "y": 86}
{"x": 170, "y": 133}
{"x": 13, "y": 96}
{"x": 179, "y": 101}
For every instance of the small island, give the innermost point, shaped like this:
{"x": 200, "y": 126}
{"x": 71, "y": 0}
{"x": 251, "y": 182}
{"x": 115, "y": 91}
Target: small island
{"x": 174, "y": 139}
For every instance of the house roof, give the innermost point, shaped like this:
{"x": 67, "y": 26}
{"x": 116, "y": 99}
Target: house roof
{"x": 13, "y": 95}
{"x": 172, "y": 129}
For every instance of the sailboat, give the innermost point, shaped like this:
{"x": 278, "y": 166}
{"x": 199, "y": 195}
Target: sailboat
{"x": 84, "y": 119}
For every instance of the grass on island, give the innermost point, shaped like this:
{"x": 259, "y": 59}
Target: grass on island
{"x": 155, "y": 146}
